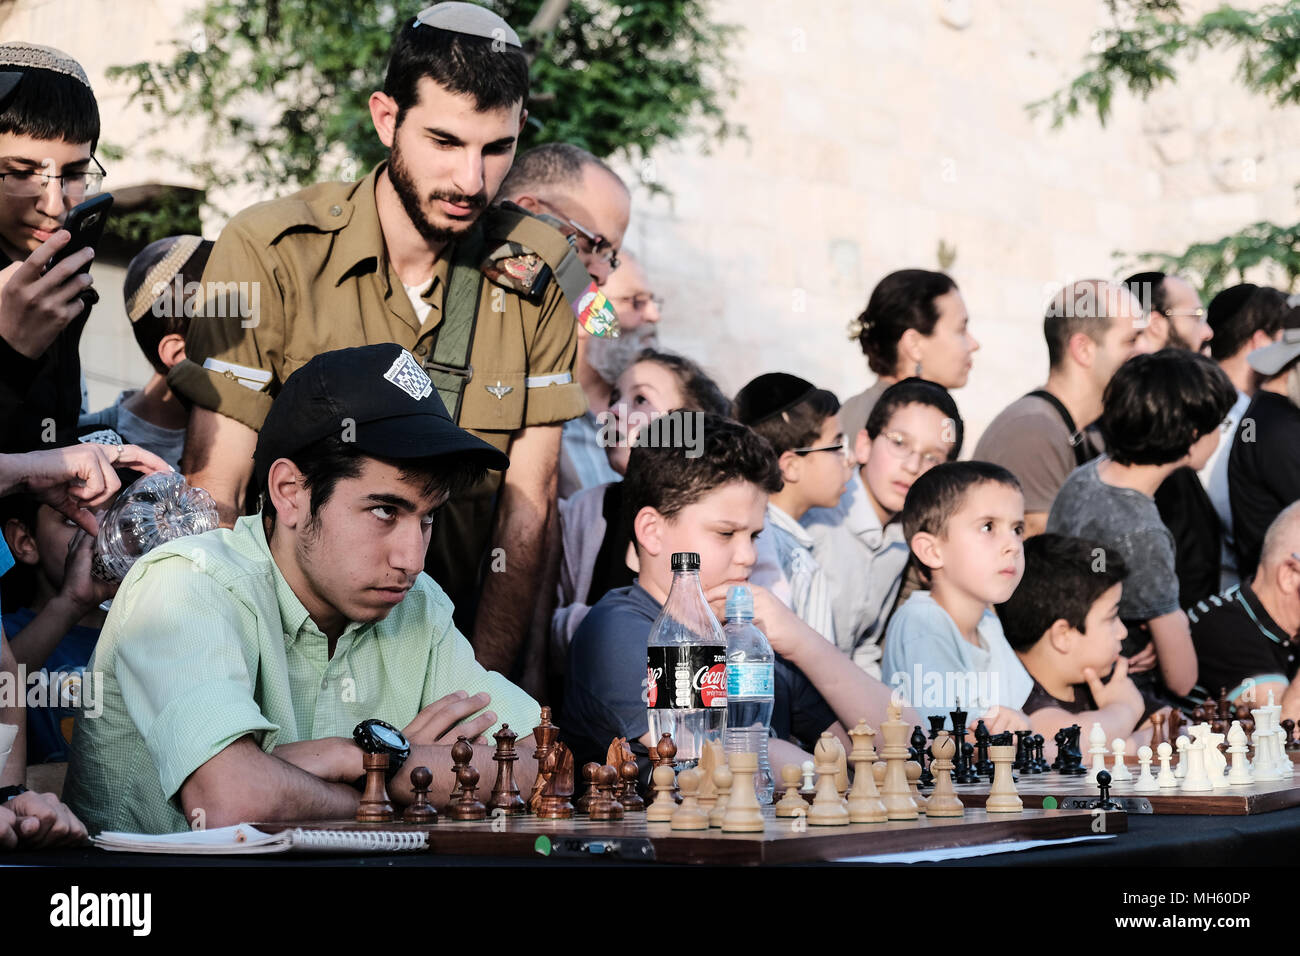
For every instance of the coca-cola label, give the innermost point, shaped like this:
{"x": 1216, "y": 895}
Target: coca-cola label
{"x": 686, "y": 677}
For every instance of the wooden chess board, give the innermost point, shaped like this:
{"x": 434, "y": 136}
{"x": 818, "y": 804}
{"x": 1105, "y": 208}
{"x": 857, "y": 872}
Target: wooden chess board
{"x": 1074, "y": 793}
{"x": 783, "y": 840}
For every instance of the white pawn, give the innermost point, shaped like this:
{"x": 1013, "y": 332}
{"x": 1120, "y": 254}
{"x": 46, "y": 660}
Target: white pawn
{"x": 1119, "y": 773}
{"x": 1166, "y": 780}
{"x": 1181, "y": 770}
{"x": 1097, "y": 749}
{"x": 808, "y": 768}
{"x": 1197, "y": 780}
{"x": 1145, "y": 782}
{"x": 1239, "y": 775}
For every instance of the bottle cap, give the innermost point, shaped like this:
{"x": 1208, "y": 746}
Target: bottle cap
{"x": 686, "y": 561}
{"x": 740, "y": 603}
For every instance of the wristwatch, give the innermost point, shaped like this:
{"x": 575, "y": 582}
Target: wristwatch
{"x": 8, "y": 793}
{"x": 374, "y": 736}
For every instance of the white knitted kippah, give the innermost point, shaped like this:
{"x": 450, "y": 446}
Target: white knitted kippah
{"x": 33, "y": 56}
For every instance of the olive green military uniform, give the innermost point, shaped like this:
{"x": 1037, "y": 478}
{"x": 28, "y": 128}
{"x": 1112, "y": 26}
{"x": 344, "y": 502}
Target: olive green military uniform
{"x": 324, "y": 282}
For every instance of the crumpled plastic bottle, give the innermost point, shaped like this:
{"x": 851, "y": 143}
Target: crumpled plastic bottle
{"x": 156, "y": 509}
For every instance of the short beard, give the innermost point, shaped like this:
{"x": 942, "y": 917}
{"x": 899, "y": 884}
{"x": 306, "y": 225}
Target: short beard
{"x": 609, "y": 358}
{"x": 409, "y": 195}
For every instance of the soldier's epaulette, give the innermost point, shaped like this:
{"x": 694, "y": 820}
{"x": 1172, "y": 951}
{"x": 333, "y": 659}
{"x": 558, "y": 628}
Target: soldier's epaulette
{"x": 324, "y": 207}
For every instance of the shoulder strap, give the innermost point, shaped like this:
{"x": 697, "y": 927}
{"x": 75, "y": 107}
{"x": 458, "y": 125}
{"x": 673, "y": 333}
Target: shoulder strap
{"x": 449, "y": 366}
{"x": 1078, "y": 440}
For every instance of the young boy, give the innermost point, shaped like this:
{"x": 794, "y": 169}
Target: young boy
{"x": 1063, "y": 623}
{"x": 48, "y": 130}
{"x": 56, "y": 619}
{"x": 965, "y": 523}
{"x": 802, "y": 424}
{"x": 858, "y": 542}
{"x": 153, "y": 417}
{"x": 1161, "y": 411}
{"x": 712, "y": 504}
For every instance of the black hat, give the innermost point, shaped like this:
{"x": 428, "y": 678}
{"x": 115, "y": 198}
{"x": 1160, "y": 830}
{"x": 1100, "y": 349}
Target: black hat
{"x": 376, "y": 397}
{"x": 769, "y": 395}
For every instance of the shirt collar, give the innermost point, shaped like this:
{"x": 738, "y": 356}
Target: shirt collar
{"x": 779, "y": 519}
{"x": 862, "y": 519}
{"x": 1263, "y": 620}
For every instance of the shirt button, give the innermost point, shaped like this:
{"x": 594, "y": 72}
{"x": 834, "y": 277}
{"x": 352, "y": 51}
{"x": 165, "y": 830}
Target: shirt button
{"x": 336, "y": 210}
{"x": 324, "y": 684}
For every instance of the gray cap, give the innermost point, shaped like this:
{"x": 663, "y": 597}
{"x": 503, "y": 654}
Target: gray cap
{"x": 469, "y": 19}
{"x": 1271, "y": 359}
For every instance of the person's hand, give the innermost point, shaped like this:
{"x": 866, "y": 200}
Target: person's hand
{"x": 35, "y": 305}
{"x": 440, "y": 722}
{"x": 784, "y": 630}
{"x": 75, "y": 479}
{"x": 1119, "y": 689}
{"x": 81, "y": 588}
{"x": 1143, "y": 660}
{"x": 42, "y": 820}
{"x": 998, "y": 720}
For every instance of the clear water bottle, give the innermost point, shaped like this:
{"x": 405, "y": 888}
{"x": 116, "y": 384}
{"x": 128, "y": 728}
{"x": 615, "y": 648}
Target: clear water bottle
{"x": 686, "y": 666}
{"x": 156, "y": 509}
{"x": 750, "y": 687}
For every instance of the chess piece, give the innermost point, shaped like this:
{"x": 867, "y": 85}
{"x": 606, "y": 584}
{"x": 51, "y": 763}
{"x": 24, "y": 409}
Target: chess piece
{"x": 744, "y": 814}
{"x": 841, "y": 764}
{"x": 420, "y": 810}
{"x": 791, "y": 805}
{"x": 1166, "y": 780}
{"x": 1103, "y": 801}
{"x": 375, "y": 806}
{"x": 809, "y": 789}
{"x": 711, "y": 754}
{"x": 1145, "y": 782}
{"x": 1197, "y": 780}
{"x": 1175, "y": 725}
{"x": 722, "y": 780}
{"x": 983, "y": 765}
{"x": 605, "y": 807}
{"x": 662, "y": 806}
{"x": 944, "y": 801}
{"x": 1291, "y": 743}
{"x": 1180, "y": 771}
{"x": 1265, "y": 765}
{"x": 553, "y": 786}
{"x": 631, "y": 800}
{"x": 467, "y": 806}
{"x": 1119, "y": 772}
{"x": 828, "y": 808}
{"x": 589, "y": 772}
{"x": 666, "y": 752}
{"x": 1239, "y": 775}
{"x": 1021, "y": 764}
{"x": 1215, "y": 762}
{"x": 1072, "y": 756}
{"x": 1003, "y": 797}
{"x": 1157, "y": 730}
{"x": 912, "y": 769}
{"x": 689, "y": 816}
{"x": 1097, "y": 749}
{"x": 1037, "y": 762}
{"x": 505, "y": 793}
{"x": 865, "y": 805}
{"x": 895, "y": 792}
{"x": 925, "y": 779}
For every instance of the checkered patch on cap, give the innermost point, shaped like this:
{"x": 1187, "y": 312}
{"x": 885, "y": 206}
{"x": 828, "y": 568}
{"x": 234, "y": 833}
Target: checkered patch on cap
{"x": 406, "y": 374}
{"x": 105, "y": 436}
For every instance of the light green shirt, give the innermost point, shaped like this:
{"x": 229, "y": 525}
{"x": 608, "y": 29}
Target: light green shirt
{"x": 206, "y": 643}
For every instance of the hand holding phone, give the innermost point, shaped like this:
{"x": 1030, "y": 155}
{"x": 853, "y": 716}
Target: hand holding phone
{"x": 38, "y": 300}
{"x": 86, "y": 224}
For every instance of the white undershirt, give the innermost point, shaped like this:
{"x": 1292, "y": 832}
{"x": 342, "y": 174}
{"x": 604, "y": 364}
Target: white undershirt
{"x": 415, "y": 294}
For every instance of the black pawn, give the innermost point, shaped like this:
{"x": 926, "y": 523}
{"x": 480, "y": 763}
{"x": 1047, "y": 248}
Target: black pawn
{"x": 1021, "y": 764}
{"x": 1039, "y": 763}
{"x": 966, "y": 773}
{"x": 1103, "y": 801}
{"x": 983, "y": 765}
{"x": 918, "y": 754}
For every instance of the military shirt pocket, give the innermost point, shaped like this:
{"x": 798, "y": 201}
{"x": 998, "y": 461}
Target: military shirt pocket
{"x": 493, "y": 401}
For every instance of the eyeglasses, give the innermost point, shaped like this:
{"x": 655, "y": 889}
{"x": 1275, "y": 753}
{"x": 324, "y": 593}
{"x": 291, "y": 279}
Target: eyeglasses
{"x": 600, "y": 246}
{"x": 641, "y": 301}
{"x": 26, "y": 184}
{"x": 1194, "y": 313}
{"x": 842, "y": 447}
{"x": 902, "y": 450}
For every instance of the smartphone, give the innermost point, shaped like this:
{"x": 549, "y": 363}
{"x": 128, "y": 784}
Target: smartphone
{"x": 86, "y": 223}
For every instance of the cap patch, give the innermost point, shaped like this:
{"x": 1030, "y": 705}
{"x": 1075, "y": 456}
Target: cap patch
{"x": 105, "y": 436}
{"x": 406, "y": 374}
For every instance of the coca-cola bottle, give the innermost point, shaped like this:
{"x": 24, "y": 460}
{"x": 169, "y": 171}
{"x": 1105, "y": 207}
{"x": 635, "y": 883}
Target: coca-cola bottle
{"x": 686, "y": 666}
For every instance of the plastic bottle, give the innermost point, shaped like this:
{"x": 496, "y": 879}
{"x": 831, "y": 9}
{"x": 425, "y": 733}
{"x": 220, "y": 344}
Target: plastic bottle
{"x": 750, "y": 687}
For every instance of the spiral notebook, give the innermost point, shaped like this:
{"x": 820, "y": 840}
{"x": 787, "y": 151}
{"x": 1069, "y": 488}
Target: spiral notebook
{"x": 245, "y": 839}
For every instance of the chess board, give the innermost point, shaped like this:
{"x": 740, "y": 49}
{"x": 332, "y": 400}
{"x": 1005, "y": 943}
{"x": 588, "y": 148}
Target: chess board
{"x": 1074, "y": 793}
{"x": 784, "y": 840}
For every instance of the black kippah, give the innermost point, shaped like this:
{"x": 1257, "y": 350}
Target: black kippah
{"x": 1228, "y": 303}
{"x": 769, "y": 395}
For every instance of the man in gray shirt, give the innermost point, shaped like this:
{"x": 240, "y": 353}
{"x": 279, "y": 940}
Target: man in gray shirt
{"x": 1091, "y": 328}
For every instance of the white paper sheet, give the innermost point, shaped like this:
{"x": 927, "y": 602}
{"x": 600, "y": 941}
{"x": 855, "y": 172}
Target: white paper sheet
{"x": 966, "y": 852}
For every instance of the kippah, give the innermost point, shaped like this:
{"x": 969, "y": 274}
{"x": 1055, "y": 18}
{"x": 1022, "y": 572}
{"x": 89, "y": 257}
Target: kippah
{"x": 160, "y": 275}
{"x": 31, "y": 56}
{"x": 770, "y": 395}
{"x": 1228, "y": 303}
{"x": 469, "y": 19}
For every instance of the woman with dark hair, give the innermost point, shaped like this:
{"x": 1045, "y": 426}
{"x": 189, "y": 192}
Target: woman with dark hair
{"x": 915, "y": 325}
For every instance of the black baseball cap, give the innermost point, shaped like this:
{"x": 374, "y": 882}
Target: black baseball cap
{"x": 376, "y": 397}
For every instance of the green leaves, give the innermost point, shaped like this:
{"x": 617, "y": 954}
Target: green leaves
{"x": 1224, "y": 262}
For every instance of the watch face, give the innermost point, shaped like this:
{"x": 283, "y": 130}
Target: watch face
{"x": 388, "y": 737}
